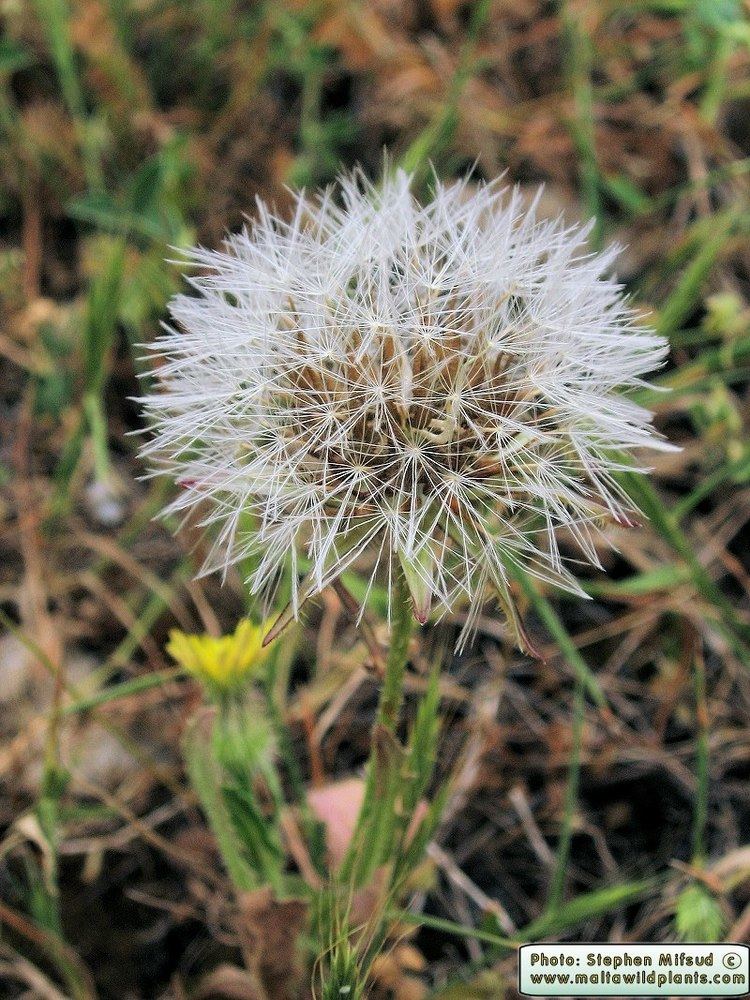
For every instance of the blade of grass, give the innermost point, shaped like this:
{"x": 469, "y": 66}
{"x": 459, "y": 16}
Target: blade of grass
{"x": 132, "y": 746}
{"x": 698, "y": 374}
{"x": 83, "y": 703}
{"x": 101, "y": 318}
{"x": 148, "y": 617}
{"x": 587, "y": 906}
{"x": 124, "y": 690}
{"x": 433, "y": 140}
{"x": 739, "y": 470}
{"x": 98, "y": 338}
{"x": 54, "y": 16}
{"x": 457, "y": 930}
{"x": 558, "y": 631}
{"x": 562, "y": 856}
{"x": 728, "y": 171}
{"x": 640, "y": 584}
{"x": 74, "y": 973}
{"x": 578, "y": 58}
{"x": 721, "y": 46}
{"x": 647, "y": 500}
{"x": 687, "y": 293}
{"x": 702, "y": 759}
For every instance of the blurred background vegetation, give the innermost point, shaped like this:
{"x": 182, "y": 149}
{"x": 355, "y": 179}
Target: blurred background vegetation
{"x": 602, "y": 794}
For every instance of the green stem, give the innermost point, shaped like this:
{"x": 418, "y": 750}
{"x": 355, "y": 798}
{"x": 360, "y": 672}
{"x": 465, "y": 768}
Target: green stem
{"x": 559, "y": 877}
{"x": 402, "y": 622}
{"x": 205, "y": 777}
{"x": 645, "y": 497}
{"x": 54, "y": 16}
{"x": 721, "y": 47}
{"x": 434, "y": 139}
{"x": 700, "y": 814}
{"x": 375, "y": 824}
{"x": 579, "y": 57}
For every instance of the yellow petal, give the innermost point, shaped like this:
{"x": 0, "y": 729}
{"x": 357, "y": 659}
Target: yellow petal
{"x": 224, "y": 662}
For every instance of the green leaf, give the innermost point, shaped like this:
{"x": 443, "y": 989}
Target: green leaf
{"x": 587, "y": 906}
{"x": 102, "y": 210}
{"x": 124, "y": 690}
{"x": 567, "y": 647}
{"x": 627, "y": 194}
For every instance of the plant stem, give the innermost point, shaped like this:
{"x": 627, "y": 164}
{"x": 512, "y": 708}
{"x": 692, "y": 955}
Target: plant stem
{"x": 702, "y": 762}
{"x": 402, "y": 622}
{"x": 55, "y": 16}
{"x": 579, "y": 58}
{"x": 559, "y": 877}
{"x": 433, "y": 141}
{"x": 366, "y": 847}
{"x": 205, "y": 778}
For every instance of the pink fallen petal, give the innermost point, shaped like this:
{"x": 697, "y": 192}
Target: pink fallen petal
{"x": 337, "y": 806}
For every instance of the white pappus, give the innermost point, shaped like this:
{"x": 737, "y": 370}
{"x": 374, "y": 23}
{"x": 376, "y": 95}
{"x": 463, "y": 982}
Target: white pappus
{"x": 437, "y": 384}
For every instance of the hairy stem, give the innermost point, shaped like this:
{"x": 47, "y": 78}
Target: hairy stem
{"x": 402, "y": 622}
{"x": 375, "y": 823}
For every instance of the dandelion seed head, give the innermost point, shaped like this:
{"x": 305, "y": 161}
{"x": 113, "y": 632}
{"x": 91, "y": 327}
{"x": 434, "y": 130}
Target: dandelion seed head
{"x": 439, "y": 384}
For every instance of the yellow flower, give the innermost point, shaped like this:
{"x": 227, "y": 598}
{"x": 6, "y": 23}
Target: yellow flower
{"x": 223, "y": 664}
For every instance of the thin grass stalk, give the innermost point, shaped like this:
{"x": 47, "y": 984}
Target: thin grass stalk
{"x": 702, "y": 758}
{"x": 440, "y": 131}
{"x": 54, "y": 16}
{"x": 562, "y": 857}
{"x": 647, "y": 499}
{"x": 579, "y": 66}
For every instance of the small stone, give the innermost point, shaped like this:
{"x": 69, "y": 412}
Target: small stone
{"x": 105, "y": 504}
